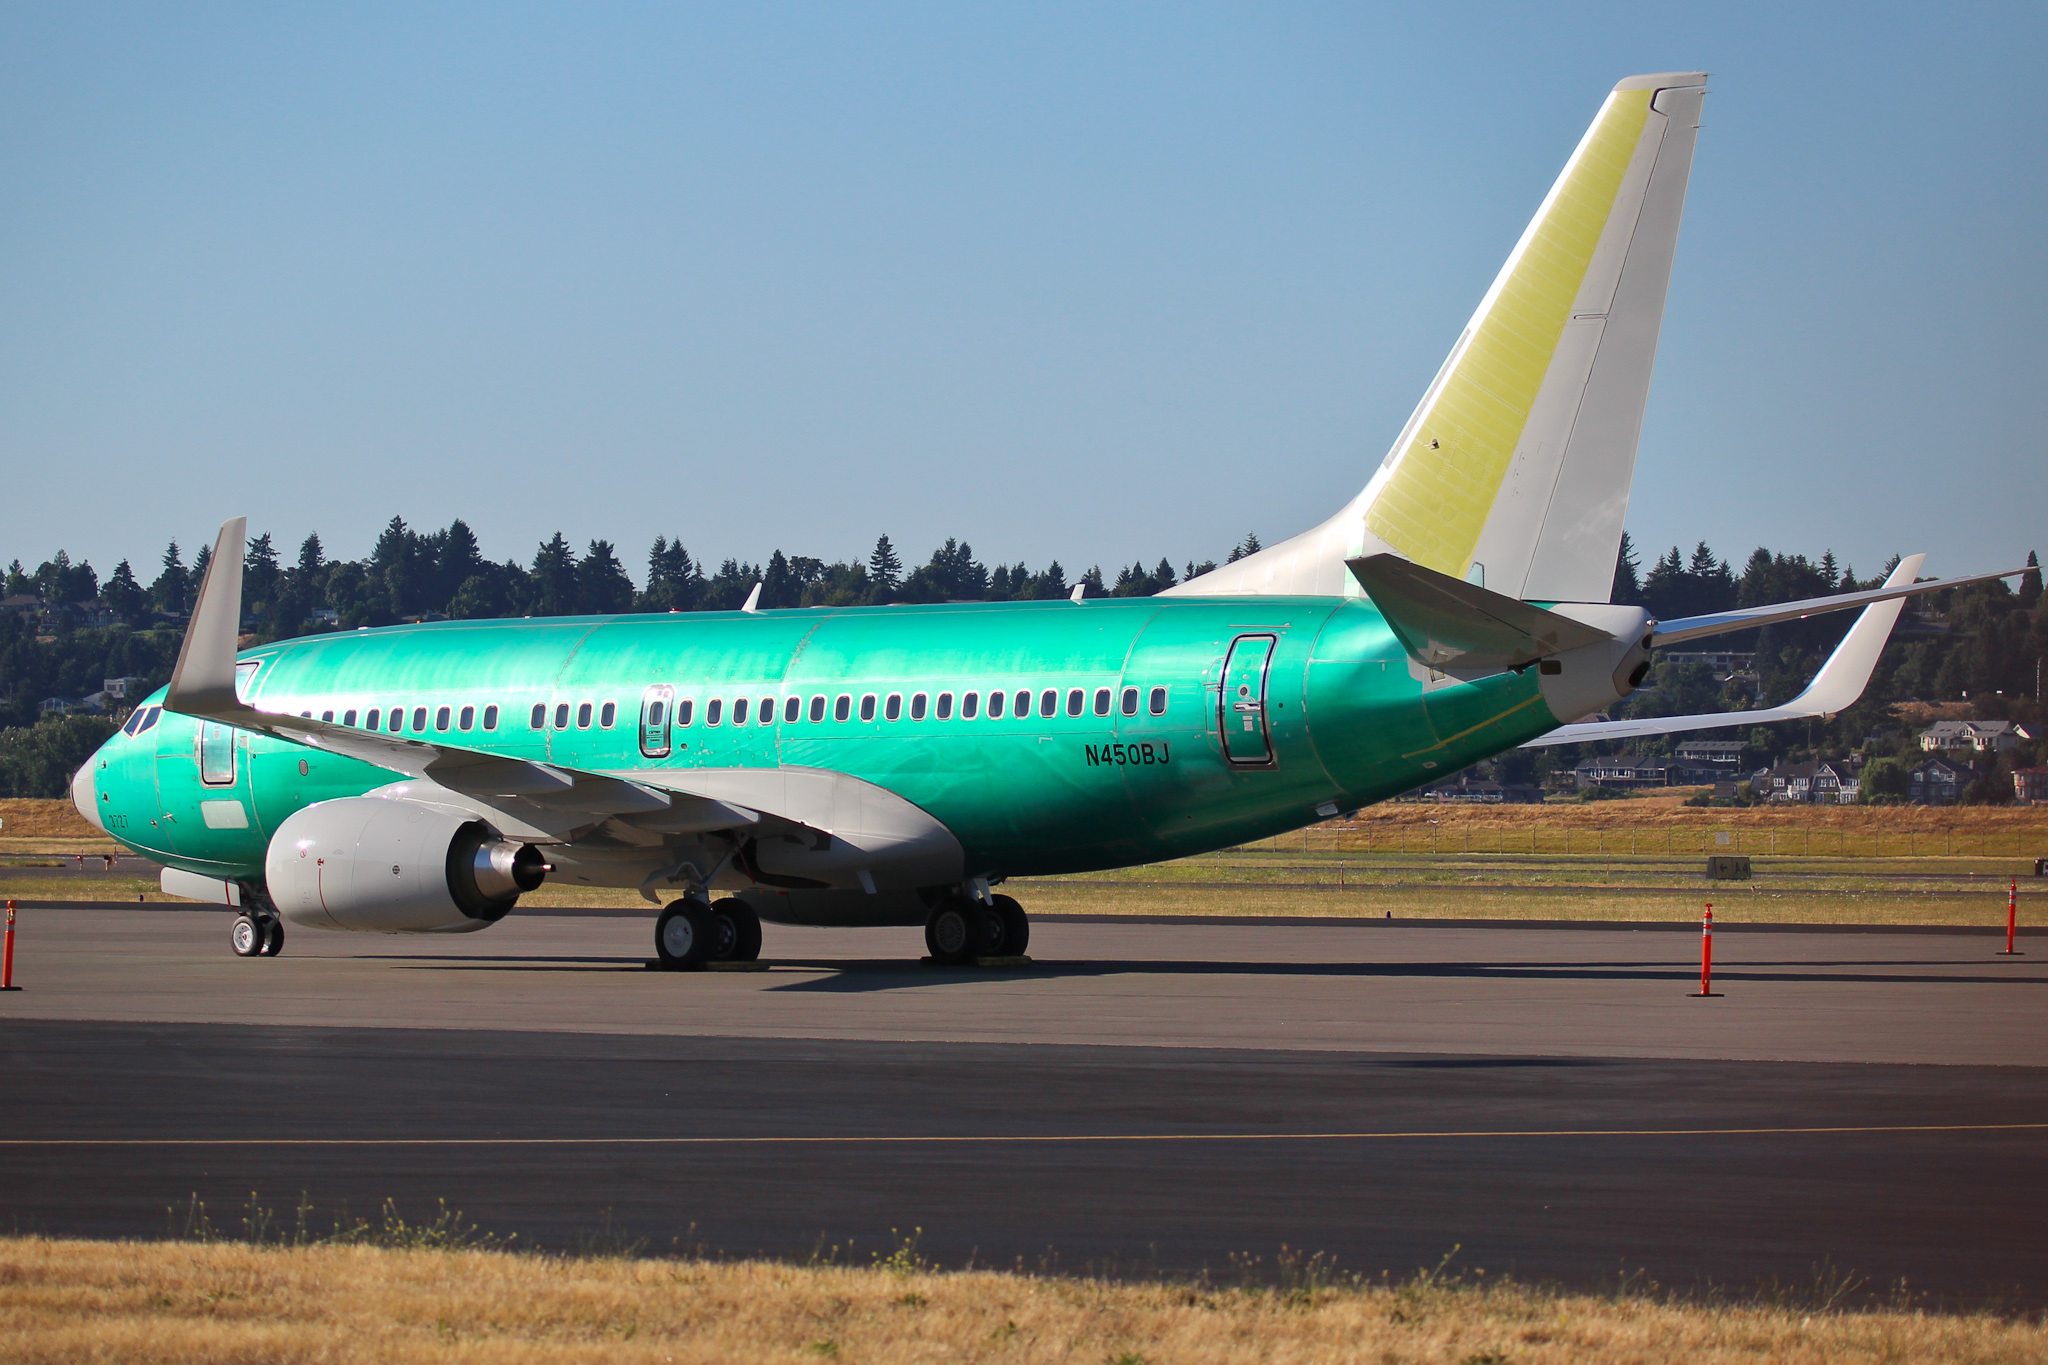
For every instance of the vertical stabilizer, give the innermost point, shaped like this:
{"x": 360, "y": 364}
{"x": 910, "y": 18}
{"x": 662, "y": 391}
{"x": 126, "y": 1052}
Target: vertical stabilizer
{"x": 1514, "y": 470}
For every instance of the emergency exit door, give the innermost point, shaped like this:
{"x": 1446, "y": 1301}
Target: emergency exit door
{"x": 1247, "y": 739}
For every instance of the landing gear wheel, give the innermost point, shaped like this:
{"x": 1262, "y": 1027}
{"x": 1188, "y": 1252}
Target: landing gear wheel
{"x": 1016, "y": 928}
{"x": 988, "y": 931}
{"x": 950, "y": 932}
{"x": 246, "y": 937}
{"x": 738, "y": 931}
{"x": 685, "y": 935}
{"x": 273, "y": 938}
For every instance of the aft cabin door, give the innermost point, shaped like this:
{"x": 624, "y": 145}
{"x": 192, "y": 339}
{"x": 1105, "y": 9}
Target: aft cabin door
{"x": 1247, "y": 741}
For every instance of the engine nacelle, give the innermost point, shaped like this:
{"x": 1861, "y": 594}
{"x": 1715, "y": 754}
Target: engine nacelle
{"x": 380, "y": 866}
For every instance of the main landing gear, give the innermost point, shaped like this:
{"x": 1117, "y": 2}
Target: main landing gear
{"x": 692, "y": 932}
{"x": 962, "y": 929}
{"x": 256, "y": 937}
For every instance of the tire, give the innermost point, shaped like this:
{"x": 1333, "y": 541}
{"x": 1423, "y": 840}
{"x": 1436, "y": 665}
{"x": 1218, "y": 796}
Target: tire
{"x": 1016, "y": 927}
{"x": 246, "y": 937}
{"x": 273, "y": 937}
{"x": 988, "y": 931}
{"x": 950, "y": 932}
{"x": 739, "y": 930}
{"x": 685, "y": 935}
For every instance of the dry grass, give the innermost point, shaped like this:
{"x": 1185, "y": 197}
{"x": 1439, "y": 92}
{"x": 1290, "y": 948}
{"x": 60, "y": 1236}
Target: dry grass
{"x": 172, "y": 1301}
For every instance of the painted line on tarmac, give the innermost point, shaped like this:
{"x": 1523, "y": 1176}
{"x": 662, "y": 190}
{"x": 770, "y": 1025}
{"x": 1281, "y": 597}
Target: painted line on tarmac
{"x": 1016, "y": 1139}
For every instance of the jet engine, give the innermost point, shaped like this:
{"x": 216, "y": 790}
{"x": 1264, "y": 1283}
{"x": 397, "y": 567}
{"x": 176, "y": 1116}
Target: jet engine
{"x": 380, "y": 866}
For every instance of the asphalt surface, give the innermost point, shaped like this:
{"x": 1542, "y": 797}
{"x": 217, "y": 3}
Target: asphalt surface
{"x": 1147, "y": 1098}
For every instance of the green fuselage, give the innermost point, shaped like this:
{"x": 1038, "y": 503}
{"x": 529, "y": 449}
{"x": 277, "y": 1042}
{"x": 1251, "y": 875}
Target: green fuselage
{"x": 1348, "y": 720}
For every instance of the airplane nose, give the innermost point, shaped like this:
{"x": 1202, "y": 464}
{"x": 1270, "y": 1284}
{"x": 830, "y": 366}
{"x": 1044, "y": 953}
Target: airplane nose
{"x": 84, "y": 796}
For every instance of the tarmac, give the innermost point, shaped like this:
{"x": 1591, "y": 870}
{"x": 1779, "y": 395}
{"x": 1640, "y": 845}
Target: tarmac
{"x": 1146, "y": 1097}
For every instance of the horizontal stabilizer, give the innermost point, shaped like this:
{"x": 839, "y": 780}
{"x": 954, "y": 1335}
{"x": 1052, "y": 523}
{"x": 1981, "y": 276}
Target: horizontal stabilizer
{"x": 1835, "y": 688}
{"x": 1447, "y": 624}
{"x": 1746, "y": 618}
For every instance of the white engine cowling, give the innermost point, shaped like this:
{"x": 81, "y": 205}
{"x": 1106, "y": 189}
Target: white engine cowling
{"x": 380, "y": 866}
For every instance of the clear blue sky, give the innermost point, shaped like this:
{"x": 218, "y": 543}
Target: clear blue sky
{"x": 1095, "y": 283}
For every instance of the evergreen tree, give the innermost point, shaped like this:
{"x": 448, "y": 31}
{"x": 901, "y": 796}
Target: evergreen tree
{"x": 1628, "y": 586}
{"x": 2030, "y": 583}
{"x": 457, "y": 558}
{"x": 312, "y": 557}
{"x": 197, "y": 579}
{"x": 779, "y": 587}
{"x": 885, "y": 570}
{"x": 555, "y": 590}
{"x": 259, "y": 573}
{"x": 124, "y": 595}
{"x": 602, "y": 586}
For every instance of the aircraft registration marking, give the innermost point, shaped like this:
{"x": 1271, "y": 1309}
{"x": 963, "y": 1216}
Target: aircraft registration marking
{"x": 1127, "y": 755}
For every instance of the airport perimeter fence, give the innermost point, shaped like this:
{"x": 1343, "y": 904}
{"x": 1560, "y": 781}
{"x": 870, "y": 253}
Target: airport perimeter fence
{"x": 1453, "y": 836}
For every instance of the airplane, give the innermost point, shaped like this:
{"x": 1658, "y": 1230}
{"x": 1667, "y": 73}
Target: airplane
{"x": 894, "y": 765}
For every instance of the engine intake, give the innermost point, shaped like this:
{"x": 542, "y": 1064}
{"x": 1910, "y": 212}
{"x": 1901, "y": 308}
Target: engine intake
{"x": 372, "y": 865}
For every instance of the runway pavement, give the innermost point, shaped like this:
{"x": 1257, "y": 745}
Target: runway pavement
{"x": 1147, "y": 1096}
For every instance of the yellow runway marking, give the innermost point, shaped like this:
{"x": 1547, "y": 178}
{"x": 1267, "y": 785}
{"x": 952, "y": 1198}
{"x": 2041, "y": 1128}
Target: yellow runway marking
{"x": 1013, "y": 1138}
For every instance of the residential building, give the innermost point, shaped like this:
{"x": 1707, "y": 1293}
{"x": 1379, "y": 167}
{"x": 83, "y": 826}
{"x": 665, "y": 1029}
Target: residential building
{"x": 1724, "y": 664}
{"x": 117, "y": 689}
{"x": 1828, "y": 782}
{"x": 1985, "y": 736}
{"x": 1627, "y": 772}
{"x": 1723, "y": 755}
{"x": 1479, "y": 791}
{"x": 1940, "y": 781}
{"x": 2030, "y": 786}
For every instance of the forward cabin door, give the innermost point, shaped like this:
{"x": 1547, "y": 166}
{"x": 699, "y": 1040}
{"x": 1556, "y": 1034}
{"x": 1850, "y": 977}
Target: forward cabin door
{"x": 1247, "y": 740}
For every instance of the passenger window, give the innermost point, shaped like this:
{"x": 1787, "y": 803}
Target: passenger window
{"x": 583, "y": 716}
{"x": 656, "y": 713}
{"x": 917, "y": 706}
{"x": 843, "y": 707}
{"x": 767, "y": 710}
{"x": 327, "y": 718}
{"x": 1158, "y": 701}
{"x": 1101, "y": 701}
{"x": 945, "y": 706}
{"x": 375, "y": 719}
{"x": 683, "y": 710}
{"x": 607, "y": 715}
{"x": 348, "y": 718}
{"x": 1023, "y": 708}
{"x": 467, "y": 719}
{"x": 818, "y": 707}
{"x": 792, "y": 710}
{"x": 867, "y": 707}
{"x": 540, "y": 716}
{"x": 1048, "y": 703}
{"x": 739, "y": 710}
{"x": 419, "y": 720}
{"x": 893, "y": 709}
{"x": 397, "y": 719}
{"x": 562, "y": 716}
{"x": 970, "y": 703}
{"x": 711, "y": 710}
{"x": 995, "y": 706}
{"x": 490, "y": 717}
{"x": 441, "y": 719}
{"x": 1074, "y": 700}
{"x": 1130, "y": 701}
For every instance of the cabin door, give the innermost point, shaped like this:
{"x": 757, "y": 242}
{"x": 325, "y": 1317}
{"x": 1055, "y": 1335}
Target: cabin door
{"x": 656, "y": 704}
{"x": 1247, "y": 741}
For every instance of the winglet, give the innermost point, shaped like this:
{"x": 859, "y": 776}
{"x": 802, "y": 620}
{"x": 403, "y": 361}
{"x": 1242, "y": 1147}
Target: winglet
{"x": 1080, "y": 591}
{"x": 203, "y": 682}
{"x": 753, "y": 602}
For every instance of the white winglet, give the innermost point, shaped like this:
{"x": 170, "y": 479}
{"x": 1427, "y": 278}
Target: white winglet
{"x": 1080, "y": 591}
{"x": 1836, "y": 687}
{"x": 753, "y": 602}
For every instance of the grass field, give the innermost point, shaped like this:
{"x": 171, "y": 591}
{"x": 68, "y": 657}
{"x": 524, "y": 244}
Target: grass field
{"x": 235, "y": 1302}
{"x": 1635, "y": 860}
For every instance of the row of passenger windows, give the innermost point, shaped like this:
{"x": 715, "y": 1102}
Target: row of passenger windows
{"x": 942, "y": 707}
{"x": 393, "y": 720}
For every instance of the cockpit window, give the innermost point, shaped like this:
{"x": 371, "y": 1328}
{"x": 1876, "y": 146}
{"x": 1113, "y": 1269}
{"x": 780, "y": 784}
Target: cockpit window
{"x": 141, "y": 720}
{"x": 245, "y": 673}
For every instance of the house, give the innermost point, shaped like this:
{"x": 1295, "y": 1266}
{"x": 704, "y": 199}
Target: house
{"x": 1724, "y": 664}
{"x": 117, "y": 688}
{"x": 2030, "y": 786}
{"x": 1479, "y": 791}
{"x": 57, "y": 706}
{"x": 1631, "y": 771}
{"x": 1985, "y": 736}
{"x": 1829, "y": 782}
{"x": 22, "y": 604}
{"x": 1722, "y": 755}
{"x": 1939, "y": 781}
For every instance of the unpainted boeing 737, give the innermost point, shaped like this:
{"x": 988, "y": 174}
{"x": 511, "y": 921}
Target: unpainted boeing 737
{"x": 893, "y": 765}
